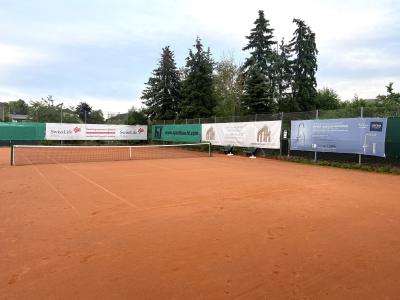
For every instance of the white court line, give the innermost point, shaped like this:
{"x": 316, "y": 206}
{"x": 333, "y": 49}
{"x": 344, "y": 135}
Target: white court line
{"x": 56, "y": 190}
{"x": 101, "y": 187}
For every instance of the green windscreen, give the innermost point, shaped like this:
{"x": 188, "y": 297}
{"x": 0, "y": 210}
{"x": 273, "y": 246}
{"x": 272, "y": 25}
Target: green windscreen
{"x": 393, "y": 138}
{"x": 23, "y": 131}
{"x": 187, "y": 133}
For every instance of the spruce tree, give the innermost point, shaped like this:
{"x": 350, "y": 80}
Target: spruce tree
{"x": 256, "y": 93}
{"x": 198, "y": 99}
{"x": 283, "y": 79}
{"x": 262, "y": 58}
{"x": 162, "y": 93}
{"x": 305, "y": 51}
{"x": 261, "y": 45}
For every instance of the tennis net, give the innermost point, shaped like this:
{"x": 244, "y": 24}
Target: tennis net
{"x": 31, "y": 155}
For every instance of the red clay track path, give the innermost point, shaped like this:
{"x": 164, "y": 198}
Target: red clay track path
{"x": 203, "y": 228}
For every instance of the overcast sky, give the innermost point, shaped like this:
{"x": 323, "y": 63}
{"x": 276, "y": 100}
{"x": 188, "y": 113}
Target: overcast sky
{"x": 103, "y": 51}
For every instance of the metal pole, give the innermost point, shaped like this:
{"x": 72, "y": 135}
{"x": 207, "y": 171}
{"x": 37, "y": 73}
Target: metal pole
{"x": 12, "y": 154}
{"x": 61, "y": 119}
{"x": 85, "y": 116}
{"x": 315, "y": 152}
{"x": 359, "y": 155}
{"x": 280, "y": 149}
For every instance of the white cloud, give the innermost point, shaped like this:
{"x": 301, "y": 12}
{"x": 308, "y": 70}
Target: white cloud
{"x": 363, "y": 88}
{"x": 12, "y": 55}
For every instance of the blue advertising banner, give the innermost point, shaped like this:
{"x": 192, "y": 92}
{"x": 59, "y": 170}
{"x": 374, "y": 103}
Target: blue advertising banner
{"x": 359, "y": 135}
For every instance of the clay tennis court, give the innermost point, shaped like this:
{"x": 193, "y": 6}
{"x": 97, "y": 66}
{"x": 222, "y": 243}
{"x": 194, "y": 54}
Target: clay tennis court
{"x": 197, "y": 228}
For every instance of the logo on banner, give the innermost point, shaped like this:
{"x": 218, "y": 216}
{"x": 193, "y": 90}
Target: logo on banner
{"x": 77, "y": 129}
{"x": 376, "y": 126}
{"x": 264, "y": 135}
{"x": 210, "y": 134}
{"x": 141, "y": 130}
{"x": 158, "y": 132}
{"x": 301, "y": 134}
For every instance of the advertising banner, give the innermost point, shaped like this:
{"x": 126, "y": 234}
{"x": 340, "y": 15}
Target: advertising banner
{"x": 393, "y": 137}
{"x": 22, "y": 131}
{"x": 263, "y": 134}
{"x": 356, "y": 135}
{"x": 64, "y": 131}
{"x": 188, "y": 133}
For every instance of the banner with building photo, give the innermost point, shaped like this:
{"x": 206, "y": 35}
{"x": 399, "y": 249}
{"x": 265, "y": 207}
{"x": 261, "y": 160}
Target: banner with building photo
{"x": 64, "y": 131}
{"x": 262, "y": 134}
{"x": 353, "y": 135}
{"x": 188, "y": 133}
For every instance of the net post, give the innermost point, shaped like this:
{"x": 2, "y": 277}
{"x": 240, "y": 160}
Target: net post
{"x": 12, "y": 155}
{"x": 315, "y": 152}
{"x": 359, "y": 155}
{"x": 209, "y": 149}
{"x": 130, "y": 153}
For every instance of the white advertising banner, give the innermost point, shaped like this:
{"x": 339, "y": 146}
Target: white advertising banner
{"x": 64, "y": 131}
{"x": 263, "y": 134}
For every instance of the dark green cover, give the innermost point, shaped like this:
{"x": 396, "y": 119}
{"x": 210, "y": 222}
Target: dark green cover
{"x": 23, "y": 131}
{"x": 392, "y": 147}
{"x": 188, "y": 133}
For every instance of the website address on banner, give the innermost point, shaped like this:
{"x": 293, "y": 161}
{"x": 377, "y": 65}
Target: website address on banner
{"x": 182, "y": 133}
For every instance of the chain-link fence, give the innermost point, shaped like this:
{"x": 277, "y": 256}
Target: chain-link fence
{"x": 348, "y": 112}
{"x": 286, "y": 118}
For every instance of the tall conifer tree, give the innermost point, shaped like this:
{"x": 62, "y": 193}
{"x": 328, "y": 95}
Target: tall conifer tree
{"x": 260, "y": 66}
{"x": 305, "y": 52}
{"x": 198, "y": 99}
{"x": 256, "y": 99}
{"x": 283, "y": 79}
{"x": 162, "y": 94}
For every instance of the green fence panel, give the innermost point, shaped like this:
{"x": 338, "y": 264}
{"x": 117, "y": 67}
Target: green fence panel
{"x": 23, "y": 131}
{"x": 393, "y": 137}
{"x": 188, "y": 133}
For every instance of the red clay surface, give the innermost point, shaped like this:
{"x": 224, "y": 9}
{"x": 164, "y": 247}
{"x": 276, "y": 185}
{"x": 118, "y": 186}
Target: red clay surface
{"x": 202, "y": 228}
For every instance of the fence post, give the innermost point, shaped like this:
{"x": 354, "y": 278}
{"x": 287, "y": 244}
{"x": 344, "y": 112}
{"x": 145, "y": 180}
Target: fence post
{"x": 199, "y": 120}
{"x": 255, "y": 118}
{"x": 215, "y": 119}
{"x": 12, "y": 154}
{"x": 280, "y": 149}
{"x": 359, "y": 155}
{"x": 315, "y": 152}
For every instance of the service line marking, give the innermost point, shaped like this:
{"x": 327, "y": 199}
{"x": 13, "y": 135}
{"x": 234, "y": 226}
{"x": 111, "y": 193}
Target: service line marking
{"x": 56, "y": 190}
{"x": 101, "y": 187}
